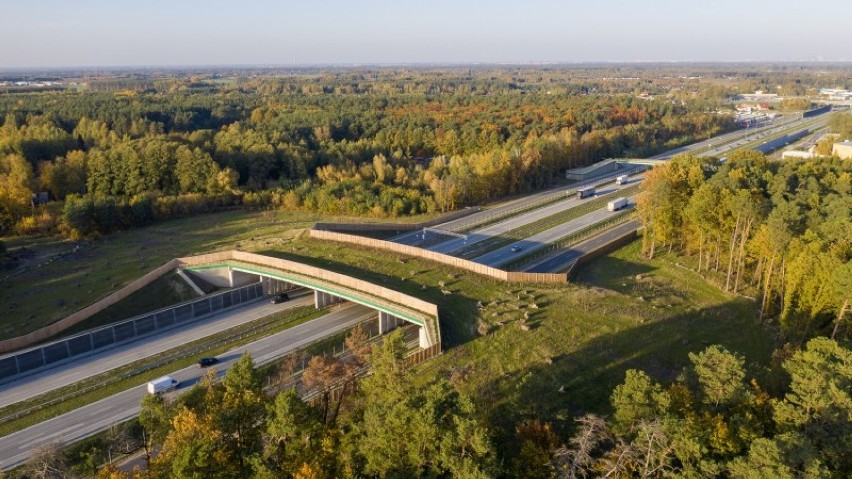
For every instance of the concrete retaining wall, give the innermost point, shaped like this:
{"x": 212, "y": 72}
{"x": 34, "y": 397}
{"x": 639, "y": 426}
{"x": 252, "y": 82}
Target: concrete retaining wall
{"x": 100, "y": 339}
{"x": 514, "y": 276}
{"x": 613, "y": 245}
{"x": 49, "y": 331}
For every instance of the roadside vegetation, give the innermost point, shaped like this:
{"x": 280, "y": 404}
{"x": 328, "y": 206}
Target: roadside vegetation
{"x": 779, "y": 231}
{"x": 532, "y": 359}
{"x": 717, "y": 345}
{"x": 52, "y": 278}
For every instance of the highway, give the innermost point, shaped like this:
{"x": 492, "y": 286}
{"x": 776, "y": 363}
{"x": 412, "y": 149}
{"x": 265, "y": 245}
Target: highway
{"x": 563, "y": 259}
{"x": 727, "y": 138}
{"x": 506, "y": 254}
{"x": 414, "y": 238}
{"x": 766, "y": 135}
{"x": 737, "y": 139}
{"x": 84, "y": 367}
{"x": 514, "y": 222}
{"x": 725, "y": 143}
{"x": 83, "y": 422}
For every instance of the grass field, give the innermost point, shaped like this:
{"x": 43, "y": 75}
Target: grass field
{"x": 63, "y": 276}
{"x": 579, "y": 339}
{"x": 522, "y": 351}
{"x": 164, "y": 291}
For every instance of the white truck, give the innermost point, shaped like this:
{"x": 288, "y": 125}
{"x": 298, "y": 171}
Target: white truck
{"x": 586, "y": 192}
{"x": 162, "y": 385}
{"x": 621, "y": 179}
{"x": 616, "y": 204}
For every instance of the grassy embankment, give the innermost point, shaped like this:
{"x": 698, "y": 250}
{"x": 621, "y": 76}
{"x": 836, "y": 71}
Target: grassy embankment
{"x": 623, "y": 312}
{"x": 58, "y": 280}
{"x": 579, "y": 339}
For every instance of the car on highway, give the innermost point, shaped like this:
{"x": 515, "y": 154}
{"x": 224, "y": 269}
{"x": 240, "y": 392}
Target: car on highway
{"x": 515, "y": 249}
{"x": 207, "y": 362}
{"x": 279, "y": 298}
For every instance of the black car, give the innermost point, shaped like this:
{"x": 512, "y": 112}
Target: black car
{"x": 280, "y": 298}
{"x": 205, "y": 362}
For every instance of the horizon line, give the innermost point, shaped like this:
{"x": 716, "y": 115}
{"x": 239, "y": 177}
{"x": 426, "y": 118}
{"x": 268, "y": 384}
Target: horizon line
{"x": 290, "y": 66}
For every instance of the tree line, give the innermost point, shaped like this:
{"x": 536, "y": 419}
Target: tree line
{"x": 777, "y": 230}
{"x": 391, "y": 425}
{"x": 383, "y": 154}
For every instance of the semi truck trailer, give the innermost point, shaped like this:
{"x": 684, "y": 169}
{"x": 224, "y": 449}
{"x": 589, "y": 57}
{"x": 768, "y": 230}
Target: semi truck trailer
{"x": 586, "y": 192}
{"x": 616, "y": 204}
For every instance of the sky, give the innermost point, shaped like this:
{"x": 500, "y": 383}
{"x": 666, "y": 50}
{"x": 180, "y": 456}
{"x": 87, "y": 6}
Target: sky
{"x": 72, "y": 33}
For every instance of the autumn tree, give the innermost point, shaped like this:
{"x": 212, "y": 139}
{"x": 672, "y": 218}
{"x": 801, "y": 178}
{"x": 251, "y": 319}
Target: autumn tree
{"x": 193, "y": 450}
{"x": 442, "y": 435}
{"x": 155, "y": 418}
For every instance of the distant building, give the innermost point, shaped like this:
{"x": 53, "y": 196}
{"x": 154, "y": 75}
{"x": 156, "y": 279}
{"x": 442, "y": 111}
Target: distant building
{"x": 759, "y": 95}
{"x": 836, "y": 94}
{"x": 842, "y": 150}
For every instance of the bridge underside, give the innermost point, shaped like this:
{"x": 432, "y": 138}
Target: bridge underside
{"x": 275, "y": 283}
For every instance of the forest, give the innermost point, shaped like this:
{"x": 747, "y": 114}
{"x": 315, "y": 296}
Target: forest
{"x": 713, "y": 421}
{"x": 381, "y": 145}
{"x": 136, "y": 148}
{"x": 777, "y": 230}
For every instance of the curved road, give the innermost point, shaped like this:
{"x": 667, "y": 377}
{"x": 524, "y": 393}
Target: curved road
{"x": 562, "y": 260}
{"x": 83, "y": 422}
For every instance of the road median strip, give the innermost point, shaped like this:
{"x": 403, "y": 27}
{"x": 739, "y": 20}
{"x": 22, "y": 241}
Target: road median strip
{"x": 543, "y": 224}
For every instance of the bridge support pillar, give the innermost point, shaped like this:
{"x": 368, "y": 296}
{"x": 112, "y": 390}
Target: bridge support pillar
{"x": 240, "y": 278}
{"x": 275, "y": 286}
{"x": 323, "y": 299}
{"x": 387, "y": 322}
{"x": 424, "y": 338}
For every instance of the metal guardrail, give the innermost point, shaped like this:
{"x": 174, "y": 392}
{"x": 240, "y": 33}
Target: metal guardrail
{"x": 556, "y": 196}
{"x": 489, "y": 219}
{"x": 103, "y": 338}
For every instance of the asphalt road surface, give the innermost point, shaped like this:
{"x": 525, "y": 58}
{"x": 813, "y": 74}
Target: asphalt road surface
{"x": 807, "y": 123}
{"x": 414, "y": 238}
{"x": 449, "y": 247}
{"x": 504, "y": 255}
{"x": 562, "y": 260}
{"x": 737, "y": 139}
{"x": 82, "y": 368}
{"x": 746, "y": 136}
{"x": 83, "y": 422}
